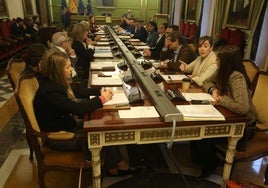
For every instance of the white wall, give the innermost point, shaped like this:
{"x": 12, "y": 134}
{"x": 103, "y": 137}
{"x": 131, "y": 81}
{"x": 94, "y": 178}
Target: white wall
{"x": 262, "y": 52}
{"x": 15, "y": 8}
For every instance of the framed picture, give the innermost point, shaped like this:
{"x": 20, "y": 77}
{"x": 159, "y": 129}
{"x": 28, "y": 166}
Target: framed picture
{"x": 191, "y": 10}
{"x": 238, "y": 13}
{"x": 3, "y": 9}
{"x": 28, "y": 7}
{"x": 105, "y": 3}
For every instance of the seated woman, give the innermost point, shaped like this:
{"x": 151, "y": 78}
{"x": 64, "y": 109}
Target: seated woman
{"x": 203, "y": 66}
{"x": 231, "y": 88}
{"x": 56, "y": 104}
{"x": 32, "y": 57}
{"x": 83, "y": 47}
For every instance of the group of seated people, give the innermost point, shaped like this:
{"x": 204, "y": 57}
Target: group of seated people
{"x": 58, "y": 102}
{"x": 26, "y": 28}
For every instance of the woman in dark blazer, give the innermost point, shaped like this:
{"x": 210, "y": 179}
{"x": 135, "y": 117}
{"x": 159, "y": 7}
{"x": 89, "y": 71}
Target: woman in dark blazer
{"x": 55, "y": 105}
{"x": 83, "y": 47}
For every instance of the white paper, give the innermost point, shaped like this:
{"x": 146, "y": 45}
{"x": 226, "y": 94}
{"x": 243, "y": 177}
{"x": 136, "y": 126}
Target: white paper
{"x": 171, "y": 77}
{"x": 99, "y": 65}
{"x": 139, "y": 112}
{"x": 200, "y": 112}
{"x": 197, "y": 96}
{"x": 114, "y": 80}
{"x": 118, "y": 99}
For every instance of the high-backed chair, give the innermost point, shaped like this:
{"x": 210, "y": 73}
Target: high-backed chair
{"x": 47, "y": 159}
{"x": 251, "y": 69}
{"x": 258, "y": 146}
{"x": 14, "y": 69}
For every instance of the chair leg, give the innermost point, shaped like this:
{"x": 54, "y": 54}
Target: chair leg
{"x": 266, "y": 176}
{"x": 30, "y": 147}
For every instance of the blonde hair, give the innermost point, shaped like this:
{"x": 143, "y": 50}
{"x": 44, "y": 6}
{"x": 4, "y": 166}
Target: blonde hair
{"x": 78, "y": 32}
{"x": 52, "y": 66}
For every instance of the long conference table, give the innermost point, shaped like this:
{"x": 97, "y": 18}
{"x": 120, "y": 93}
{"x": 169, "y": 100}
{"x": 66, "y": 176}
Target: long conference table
{"x": 106, "y": 128}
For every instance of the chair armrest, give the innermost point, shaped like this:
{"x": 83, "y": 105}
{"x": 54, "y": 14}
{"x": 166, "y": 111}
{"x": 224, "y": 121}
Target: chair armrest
{"x": 262, "y": 127}
{"x": 61, "y": 135}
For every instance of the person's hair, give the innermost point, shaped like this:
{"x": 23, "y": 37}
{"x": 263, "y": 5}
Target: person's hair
{"x": 33, "y": 54}
{"x": 165, "y": 25}
{"x": 52, "y": 66}
{"x": 153, "y": 24}
{"x": 174, "y": 27}
{"x": 59, "y": 37}
{"x": 19, "y": 19}
{"x": 90, "y": 16}
{"x": 230, "y": 60}
{"x": 177, "y": 36}
{"x": 203, "y": 39}
{"x": 78, "y": 32}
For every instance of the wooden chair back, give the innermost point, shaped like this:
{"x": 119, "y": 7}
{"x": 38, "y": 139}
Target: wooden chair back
{"x": 47, "y": 159}
{"x": 14, "y": 69}
{"x": 251, "y": 68}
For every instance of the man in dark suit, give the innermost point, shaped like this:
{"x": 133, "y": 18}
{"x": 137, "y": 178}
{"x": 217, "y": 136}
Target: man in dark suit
{"x": 154, "y": 52}
{"x": 178, "y": 51}
{"x": 139, "y": 31}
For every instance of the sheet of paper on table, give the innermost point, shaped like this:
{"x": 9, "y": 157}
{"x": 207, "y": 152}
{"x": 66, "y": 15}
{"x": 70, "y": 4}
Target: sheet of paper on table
{"x": 139, "y": 112}
{"x": 200, "y": 113}
{"x": 198, "y": 96}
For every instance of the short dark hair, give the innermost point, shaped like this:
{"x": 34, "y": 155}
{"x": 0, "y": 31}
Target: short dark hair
{"x": 174, "y": 27}
{"x": 33, "y": 54}
{"x": 204, "y": 39}
{"x": 176, "y": 36}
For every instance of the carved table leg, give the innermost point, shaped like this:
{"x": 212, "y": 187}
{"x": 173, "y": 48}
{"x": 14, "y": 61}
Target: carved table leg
{"x": 96, "y": 167}
{"x": 229, "y": 159}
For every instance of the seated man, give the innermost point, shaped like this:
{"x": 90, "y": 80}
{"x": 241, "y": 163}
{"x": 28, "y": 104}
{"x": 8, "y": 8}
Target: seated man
{"x": 154, "y": 52}
{"x": 179, "y": 51}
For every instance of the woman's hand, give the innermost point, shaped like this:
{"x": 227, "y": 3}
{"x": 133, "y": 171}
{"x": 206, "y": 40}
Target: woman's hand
{"x": 107, "y": 94}
{"x": 215, "y": 95}
{"x": 183, "y": 65}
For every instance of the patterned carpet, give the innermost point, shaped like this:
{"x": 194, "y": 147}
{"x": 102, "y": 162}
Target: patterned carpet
{"x": 6, "y": 90}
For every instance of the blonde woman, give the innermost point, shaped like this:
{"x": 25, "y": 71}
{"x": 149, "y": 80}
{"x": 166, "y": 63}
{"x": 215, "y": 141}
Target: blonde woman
{"x": 83, "y": 47}
{"x": 55, "y": 104}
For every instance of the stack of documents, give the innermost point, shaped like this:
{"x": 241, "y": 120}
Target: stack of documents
{"x": 200, "y": 113}
{"x": 119, "y": 100}
{"x": 103, "y": 51}
{"x": 139, "y": 112}
{"x": 173, "y": 77}
{"x": 198, "y": 96}
{"x": 102, "y": 65}
{"x": 106, "y": 79}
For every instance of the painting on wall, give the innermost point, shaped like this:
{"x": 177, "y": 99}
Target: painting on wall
{"x": 238, "y": 13}
{"x": 27, "y": 7}
{"x": 105, "y": 3}
{"x": 191, "y": 10}
{"x": 3, "y": 9}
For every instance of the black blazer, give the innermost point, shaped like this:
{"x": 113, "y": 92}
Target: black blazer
{"x": 141, "y": 34}
{"x": 186, "y": 54}
{"x": 84, "y": 57}
{"x": 54, "y": 110}
{"x": 155, "y": 51}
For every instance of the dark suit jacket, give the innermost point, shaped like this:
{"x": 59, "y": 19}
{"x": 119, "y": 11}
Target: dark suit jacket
{"x": 141, "y": 34}
{"x": 186, "y": 54}
{"x": 54, "y": 110}
{"x": 84, "y": 55}
{"x": 155, "y": 51}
